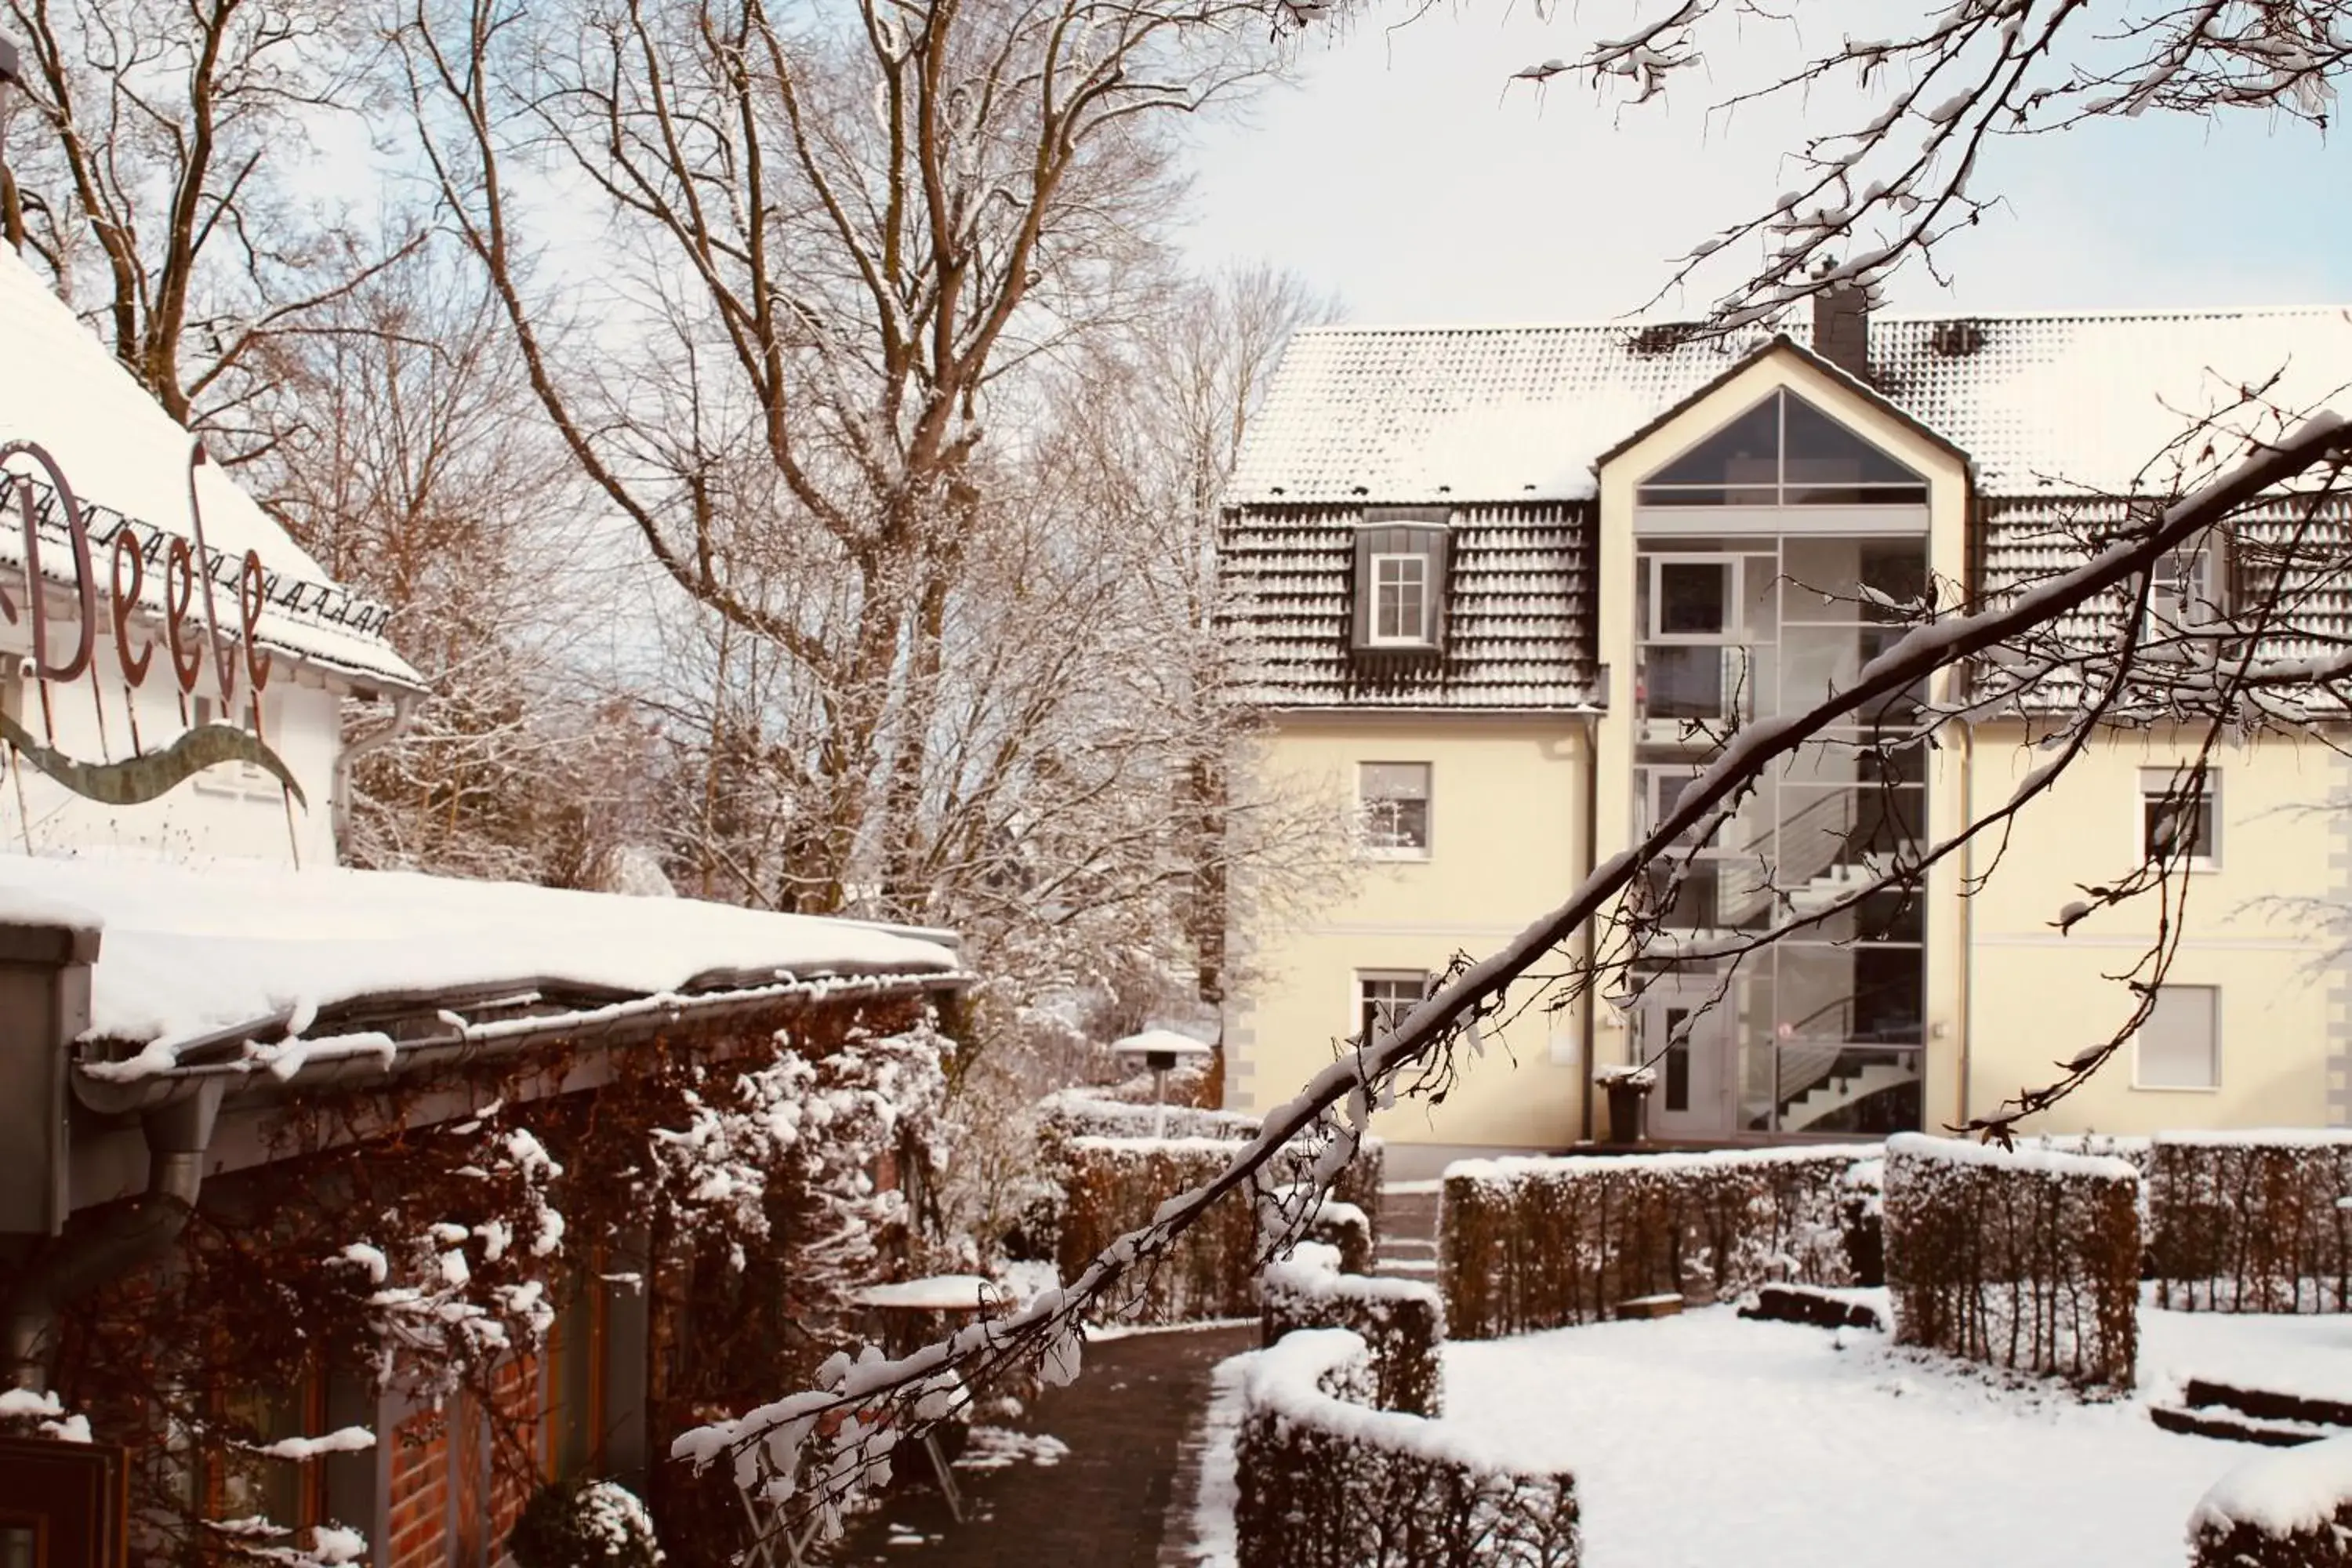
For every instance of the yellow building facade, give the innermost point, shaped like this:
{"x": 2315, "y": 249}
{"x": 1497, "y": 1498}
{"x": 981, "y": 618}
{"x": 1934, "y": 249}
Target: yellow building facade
{"x": 1506, "y": 591}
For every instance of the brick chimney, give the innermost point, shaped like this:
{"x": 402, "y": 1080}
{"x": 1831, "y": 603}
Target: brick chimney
{"x": 1842, "y": 326}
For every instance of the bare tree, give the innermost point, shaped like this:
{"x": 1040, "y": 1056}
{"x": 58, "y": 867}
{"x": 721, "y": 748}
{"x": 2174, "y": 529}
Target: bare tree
{"x": 409, "y": 458}
{"x": 150, "y": 156}
{"x": 1943, "y": 88}
{"x": 832, "y": 238}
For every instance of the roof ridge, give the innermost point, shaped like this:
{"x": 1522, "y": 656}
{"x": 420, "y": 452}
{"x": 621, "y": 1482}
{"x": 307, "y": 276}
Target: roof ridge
{"x": 1634, "y": 323}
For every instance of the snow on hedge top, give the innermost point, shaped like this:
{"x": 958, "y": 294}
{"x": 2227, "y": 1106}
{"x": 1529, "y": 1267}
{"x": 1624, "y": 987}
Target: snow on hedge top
{"x": 187, "y": 949}
{"x": 2048, "y": 1162}
{"x": 2043, "y": 405}
{"x": 120, "y": 449}
{"x": 1288, "y": 1379}
{"x": 2261, "y": 1137}
{"x": 2286, "y": 1491}
{"x": 1527, "y": 1167}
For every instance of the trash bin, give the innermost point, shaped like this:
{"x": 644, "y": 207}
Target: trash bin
{"x": 1629, "y": 1108}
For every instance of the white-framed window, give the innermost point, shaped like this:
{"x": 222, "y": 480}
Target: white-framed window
{"x": 1384, "y": 997}
{"x": 1399, "y": 600}
{"x": 1693, "y": 598}
{"x": 2179, "y": 1045}
{"x": 1392, "y": 809}
{"x": 2187, "y": 590}
{"x": 2174, "y": 822}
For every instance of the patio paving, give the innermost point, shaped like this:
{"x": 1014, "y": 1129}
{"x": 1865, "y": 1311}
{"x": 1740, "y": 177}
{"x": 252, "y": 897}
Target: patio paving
{"x": 1106, "y": 1504}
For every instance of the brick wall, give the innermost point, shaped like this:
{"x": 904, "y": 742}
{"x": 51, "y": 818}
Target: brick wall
{"x": 417, "y": 1511}
{"x": 520, "y": 1406}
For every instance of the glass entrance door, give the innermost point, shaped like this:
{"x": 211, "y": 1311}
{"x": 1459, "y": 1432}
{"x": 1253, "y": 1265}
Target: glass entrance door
{"x": 1687, "y": 1036}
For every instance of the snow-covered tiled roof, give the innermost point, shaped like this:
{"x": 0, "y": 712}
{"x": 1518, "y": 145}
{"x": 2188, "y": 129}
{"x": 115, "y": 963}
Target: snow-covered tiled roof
{"x": 1517, "y": 633}
{"x": 2045, "y": 404}
{"x": 123, "y": 455}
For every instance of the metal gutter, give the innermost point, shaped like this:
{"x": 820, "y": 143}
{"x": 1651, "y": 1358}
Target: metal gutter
{"x": 371, "y": 1057}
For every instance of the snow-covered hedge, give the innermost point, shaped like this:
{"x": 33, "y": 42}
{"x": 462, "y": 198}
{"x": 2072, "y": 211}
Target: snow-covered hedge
{"x": 1082, "y": 1113}
{"x": 1346, "y": 1229}
{"x": 2251, "y": 1222}
{"x": 2028, "y": 1260}
{"x": 1327, "y": 1482}
{"x": 1113, "y": 1185}
{"x": 1113, "y": 1178}
{"x": 1400, "y": 1322}
{"x": 1533, "y": 1244}
{"x": 2290, "y": 1508}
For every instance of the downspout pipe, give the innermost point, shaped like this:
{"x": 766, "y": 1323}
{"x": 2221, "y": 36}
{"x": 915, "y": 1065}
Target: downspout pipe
{"x": 404, "y": 714}
{"x": 1586, "y": 945}
{"x": 117, "y": 1240}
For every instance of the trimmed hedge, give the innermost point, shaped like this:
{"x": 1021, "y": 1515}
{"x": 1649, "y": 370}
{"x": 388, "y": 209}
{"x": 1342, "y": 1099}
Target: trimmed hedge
{"x": 1400, "y": 1322}
{"x": 1075, "y": 1113}
{"x": 1325, "y": 1482}
{"x": 1347, "y": 1229}
{"x": 2250, "y": 1222}
{"x": 2027, "y": 1260}
{"x": 1541, "y": 1244}
{"x": 2290, "y": 1508}
{"x": 1113, "y": 1185}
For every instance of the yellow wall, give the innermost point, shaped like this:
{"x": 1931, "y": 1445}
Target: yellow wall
{"x": 1947, "y": 558}
{"x": 2039, "y": 996}
{"x": 1506, "y": 825}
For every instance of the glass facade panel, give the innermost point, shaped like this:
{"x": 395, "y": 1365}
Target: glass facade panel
{"x": 1824, "y": 1030}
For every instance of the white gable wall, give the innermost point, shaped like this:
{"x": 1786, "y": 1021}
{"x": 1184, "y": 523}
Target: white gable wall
{"x": 232, "y": 809}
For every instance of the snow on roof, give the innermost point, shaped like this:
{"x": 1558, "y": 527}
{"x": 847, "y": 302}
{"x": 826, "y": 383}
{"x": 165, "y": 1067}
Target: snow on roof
{"x": 189, "y": 950}
{"x": 120, "y": 450}
{"x": 2042, "y": 403}
{"x": 1167, "y": 1040}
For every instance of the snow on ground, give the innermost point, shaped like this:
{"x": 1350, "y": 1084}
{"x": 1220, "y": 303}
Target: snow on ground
{"x": 1706, "y": 1439}
{"x": 1000, "y": 1448}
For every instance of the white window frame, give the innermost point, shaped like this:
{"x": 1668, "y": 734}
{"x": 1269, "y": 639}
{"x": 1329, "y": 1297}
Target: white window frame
{"x": 2187, "y": 590}
{"x": 1366, "y": 843}
{"x": 2154, "y": 783}
{"x": 1418, "y": 635}
{"x": 1734, "y": 631}
{"x": 1358, "y": 997}
{"x": 2139, "y": 1080}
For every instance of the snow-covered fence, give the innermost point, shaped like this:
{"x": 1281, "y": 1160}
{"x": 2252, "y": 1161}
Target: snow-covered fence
{"x": 2289, "y": 1507}
{"x": 1400, "y": 1322}
{"x": 2251, "y": 1222}
{"x": 1531, "y": 1243}
{"x": 1326, "y": 1482}
{"x": 2026, "y": 1259}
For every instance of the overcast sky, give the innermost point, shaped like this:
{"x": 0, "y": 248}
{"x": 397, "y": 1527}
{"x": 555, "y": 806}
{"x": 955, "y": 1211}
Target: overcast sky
{"x": 1399, "y": 174}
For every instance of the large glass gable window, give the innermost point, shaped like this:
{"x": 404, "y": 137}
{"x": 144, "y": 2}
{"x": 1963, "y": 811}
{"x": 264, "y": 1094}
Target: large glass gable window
{"x": 1783, "y": 452}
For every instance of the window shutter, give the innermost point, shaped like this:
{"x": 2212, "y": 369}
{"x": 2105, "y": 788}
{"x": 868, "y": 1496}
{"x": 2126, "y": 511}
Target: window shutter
{"x": 1361, "y": 636}
{"x": 1439, "y": 546}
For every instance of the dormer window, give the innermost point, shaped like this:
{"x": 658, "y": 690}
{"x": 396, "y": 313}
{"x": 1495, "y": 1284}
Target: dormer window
{"x": 1783, "y": 452}
{"x": 1401, "y": 559}
{"x": 1399, "y": 600}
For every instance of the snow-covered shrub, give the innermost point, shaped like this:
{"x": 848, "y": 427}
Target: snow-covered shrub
{"x": 2251, "y": 1222}
{"x": 1326, "y": 1482}
{"x": 1400, "y": 1322}
{"x": 1113, "y": 1185}
{"x": 1861, "y": 1207}
{"x": 1083, "y": 1113}
{"x": 584, "y": 1524}
{"x": 1346, "y": 1227}
{"x": 2025, "y": 1259}
{"x": 2285, "y": 1508}
{"x": 1529, "y": 1243}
